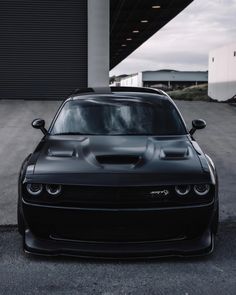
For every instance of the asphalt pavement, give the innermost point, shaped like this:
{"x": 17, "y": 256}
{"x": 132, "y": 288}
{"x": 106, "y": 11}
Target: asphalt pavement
{"x": 25, "y": 274}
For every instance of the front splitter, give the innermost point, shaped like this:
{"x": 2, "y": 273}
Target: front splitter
{"x": 201, "y": 245}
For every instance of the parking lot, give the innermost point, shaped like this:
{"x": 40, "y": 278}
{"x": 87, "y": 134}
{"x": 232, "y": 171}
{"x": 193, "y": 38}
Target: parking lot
{"x": 22, "y": 274}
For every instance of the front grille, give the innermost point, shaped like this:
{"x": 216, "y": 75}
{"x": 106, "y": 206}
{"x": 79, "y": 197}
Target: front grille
{"x": 121, "y": 197}
{"x": 115, "y": 236}
{"x": 114, "y": 197}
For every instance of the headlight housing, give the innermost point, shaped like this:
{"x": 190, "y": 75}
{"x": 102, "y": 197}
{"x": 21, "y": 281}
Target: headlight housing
{"x": 34, "y": 189}
{"x": 201, "y": 189}
{"x": 182, "y": 190}
{"x": 53, "y": 189}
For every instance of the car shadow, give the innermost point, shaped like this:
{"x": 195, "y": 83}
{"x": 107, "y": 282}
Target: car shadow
{"x": 225, "y": 248}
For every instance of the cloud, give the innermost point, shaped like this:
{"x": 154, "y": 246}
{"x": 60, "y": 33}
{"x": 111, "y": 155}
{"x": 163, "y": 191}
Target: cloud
{"x": 184, "y": 43}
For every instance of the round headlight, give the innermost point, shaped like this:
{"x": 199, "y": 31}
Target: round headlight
{"x": 34, "y": 188}
{"x": 53, "y": 189}
{"x": 201, "y": 189}
{"x": 182, "y": 190}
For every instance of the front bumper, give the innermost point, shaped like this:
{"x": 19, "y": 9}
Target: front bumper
{"x": 202, "y": 245}
{"x": 155, "y": 232}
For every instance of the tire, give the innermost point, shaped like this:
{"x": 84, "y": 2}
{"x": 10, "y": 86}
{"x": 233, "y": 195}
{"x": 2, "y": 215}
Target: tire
{"x": 215, "y": 223}
{"x": 20, "y": 216}
{"x": 20, "y": 220}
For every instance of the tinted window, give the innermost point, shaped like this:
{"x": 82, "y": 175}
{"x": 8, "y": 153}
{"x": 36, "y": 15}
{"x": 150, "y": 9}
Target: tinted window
{"x": 118, "y": 116}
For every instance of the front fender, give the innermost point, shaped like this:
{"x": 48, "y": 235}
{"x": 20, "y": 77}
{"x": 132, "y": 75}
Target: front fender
{"x": 214, "y": 172}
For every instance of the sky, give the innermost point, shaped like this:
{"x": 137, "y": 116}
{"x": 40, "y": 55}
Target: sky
{"x": 184, "y": 43}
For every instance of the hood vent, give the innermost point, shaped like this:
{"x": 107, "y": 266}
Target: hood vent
{"x": 117, "y": 159}
{"x": 175, "y": 153}
{"x": 61, "y": 153}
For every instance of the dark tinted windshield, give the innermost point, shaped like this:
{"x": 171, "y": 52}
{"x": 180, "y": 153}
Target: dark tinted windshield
{"x": 118, "y": 116}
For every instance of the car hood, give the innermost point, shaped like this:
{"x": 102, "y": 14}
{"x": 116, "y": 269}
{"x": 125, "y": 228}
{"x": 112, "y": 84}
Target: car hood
{"x": 120, "y": 160}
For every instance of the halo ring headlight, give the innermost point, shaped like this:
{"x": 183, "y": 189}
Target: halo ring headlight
{"x": 201, "y": 189}
{"x": 53, "y": 189}
{"x": 182, "y": 190}
{"x": 34, "y": 188}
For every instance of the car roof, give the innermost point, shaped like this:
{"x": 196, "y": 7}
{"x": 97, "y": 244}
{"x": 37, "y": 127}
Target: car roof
{"x": 126, "y": 91}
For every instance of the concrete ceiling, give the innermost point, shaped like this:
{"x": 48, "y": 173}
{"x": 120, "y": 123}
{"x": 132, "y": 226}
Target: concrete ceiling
{"x": 132, "y": 22}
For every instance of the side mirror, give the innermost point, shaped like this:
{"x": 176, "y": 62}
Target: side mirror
{"x": 197, "y": 124}
{"x": 39, "y": 124}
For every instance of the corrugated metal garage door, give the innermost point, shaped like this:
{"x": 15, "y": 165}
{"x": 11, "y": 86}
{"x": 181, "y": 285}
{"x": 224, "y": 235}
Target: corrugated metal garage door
{"x": 43, "y": 48}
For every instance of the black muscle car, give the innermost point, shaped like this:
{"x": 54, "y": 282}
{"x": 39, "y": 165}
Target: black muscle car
{"x": 118, "y": 174}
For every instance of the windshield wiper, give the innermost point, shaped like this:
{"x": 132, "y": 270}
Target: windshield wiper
{"x": 69, "y": 133}
{"x": 105, "y": 134}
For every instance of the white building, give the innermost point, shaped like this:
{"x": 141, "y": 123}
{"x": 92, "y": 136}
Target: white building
{"x": 222, "y": 73}
{"x": 165, "y": 79}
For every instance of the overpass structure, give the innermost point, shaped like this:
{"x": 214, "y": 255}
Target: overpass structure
{"x": 48, "y": 48}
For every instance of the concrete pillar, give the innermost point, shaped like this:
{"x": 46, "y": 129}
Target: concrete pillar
{"x": 98, "y": 42}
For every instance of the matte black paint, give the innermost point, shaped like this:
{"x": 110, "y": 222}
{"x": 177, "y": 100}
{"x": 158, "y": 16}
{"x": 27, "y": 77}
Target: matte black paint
{"x": 39, "y": 124}
{"x": 197, "y": 124}
{"x": 97, "y": 213}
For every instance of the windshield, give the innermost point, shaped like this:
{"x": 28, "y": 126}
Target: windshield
{"x": 118, "y": 116}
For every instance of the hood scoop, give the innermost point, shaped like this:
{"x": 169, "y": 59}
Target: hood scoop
{"x": 175, "y": 153}
{"x": 117, "y": 159}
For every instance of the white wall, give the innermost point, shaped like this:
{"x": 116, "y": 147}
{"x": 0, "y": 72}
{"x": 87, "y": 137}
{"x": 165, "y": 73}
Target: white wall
{"x": 98, "y": 43}
{"x": 185, "y": 76}
{"x": 222, "y": 73}
{"x": 134, "y": 80}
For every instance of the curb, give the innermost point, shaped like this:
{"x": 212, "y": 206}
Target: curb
{"x": 8, "y": 227}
